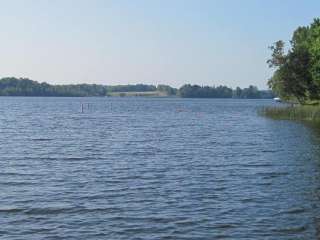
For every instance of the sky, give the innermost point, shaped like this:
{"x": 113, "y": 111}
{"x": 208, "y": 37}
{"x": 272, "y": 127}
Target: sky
{"x": 204, "y": 42}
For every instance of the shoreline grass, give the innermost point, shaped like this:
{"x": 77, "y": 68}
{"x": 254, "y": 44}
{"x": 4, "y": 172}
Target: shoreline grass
{"x": 299, "y": 113}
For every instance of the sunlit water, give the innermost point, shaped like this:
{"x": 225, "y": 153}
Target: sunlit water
{"x": 148, "y": 168}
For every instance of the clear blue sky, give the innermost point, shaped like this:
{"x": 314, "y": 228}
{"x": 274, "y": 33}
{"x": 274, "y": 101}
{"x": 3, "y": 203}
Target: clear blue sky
{"x": 208, "y": 42}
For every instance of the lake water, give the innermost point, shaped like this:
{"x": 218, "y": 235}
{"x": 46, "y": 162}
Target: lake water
{"x": 155, "y": 168}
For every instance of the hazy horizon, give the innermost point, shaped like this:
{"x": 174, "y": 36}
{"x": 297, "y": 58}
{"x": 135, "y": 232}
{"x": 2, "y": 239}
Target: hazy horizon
{"x": 151, "y": 42}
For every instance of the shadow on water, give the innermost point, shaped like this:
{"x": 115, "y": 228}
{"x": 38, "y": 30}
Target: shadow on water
{"x": 297, "y": 146}
{"x": 315, "y": 126}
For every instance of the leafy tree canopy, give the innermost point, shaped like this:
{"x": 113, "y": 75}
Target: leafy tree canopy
{"x": 297, "y": 71}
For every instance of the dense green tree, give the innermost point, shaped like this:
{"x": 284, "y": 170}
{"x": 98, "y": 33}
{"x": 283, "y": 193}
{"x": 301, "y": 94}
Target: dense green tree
{"x": 314, "y": 41}
{"x": 196, "y": 91}
{"x": 297, "y": 72}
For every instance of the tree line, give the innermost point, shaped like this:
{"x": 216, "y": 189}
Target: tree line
{"x": 25, "y": 87}
{"x": 196, "y": 91}
{"x": 297, "y": 70}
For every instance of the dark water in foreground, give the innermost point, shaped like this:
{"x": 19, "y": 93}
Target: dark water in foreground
{"x": 135, "y": 168}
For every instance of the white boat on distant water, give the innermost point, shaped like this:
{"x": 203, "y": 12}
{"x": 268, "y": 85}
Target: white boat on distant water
{"x": 277, "y": 99}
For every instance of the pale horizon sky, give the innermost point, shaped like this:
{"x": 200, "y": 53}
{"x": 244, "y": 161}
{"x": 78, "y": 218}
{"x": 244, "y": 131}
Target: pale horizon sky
{"x": 218, "y": 42}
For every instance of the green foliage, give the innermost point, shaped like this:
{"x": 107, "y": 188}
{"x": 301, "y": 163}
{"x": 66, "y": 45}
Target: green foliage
{"x": 252, "y": 92}
{"x": 297, "y": 72}
{"x": 315, "y": 50}
{"x": 26, "y": 87}
{"x": 195, "y": 91}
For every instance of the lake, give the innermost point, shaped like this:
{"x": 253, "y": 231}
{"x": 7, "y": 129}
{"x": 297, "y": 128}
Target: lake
{"x": 155, "y": 168}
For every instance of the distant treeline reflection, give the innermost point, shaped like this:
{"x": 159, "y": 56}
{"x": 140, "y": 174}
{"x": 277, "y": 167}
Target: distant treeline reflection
{"x": 26, "y": 87}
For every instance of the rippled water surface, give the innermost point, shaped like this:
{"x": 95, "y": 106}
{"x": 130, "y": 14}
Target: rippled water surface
{"x": 148, "y": 168}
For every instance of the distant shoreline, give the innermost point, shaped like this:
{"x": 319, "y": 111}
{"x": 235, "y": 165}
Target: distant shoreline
{"x": 24, "y": 87}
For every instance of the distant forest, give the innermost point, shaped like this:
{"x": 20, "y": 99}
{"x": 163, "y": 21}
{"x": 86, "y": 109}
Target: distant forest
{"x": 25, "y": 87}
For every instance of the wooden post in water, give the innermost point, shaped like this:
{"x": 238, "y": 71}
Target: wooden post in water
{"x": 81, "y": 107}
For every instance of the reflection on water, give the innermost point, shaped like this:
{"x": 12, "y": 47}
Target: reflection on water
{"x": 137, "y": 168}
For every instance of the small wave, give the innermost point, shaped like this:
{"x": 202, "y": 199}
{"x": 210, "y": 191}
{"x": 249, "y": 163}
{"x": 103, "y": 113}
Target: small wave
{"x": 291, "y": 230}
{"x": 256, "y": 165}
{"x": 268, "y": 175}
{"x": 48, "y": 210}
{"x": 222, "y": 236}
{"x": 248, "y": 200}
{"x": 270, "y": 151}
{"x": 219, "y": 188}
{"x": 225, "y": 226}
{"x": 74, "y": 158}
{"x": 41, "y": 139}
{"x": 185, "y": 223}
{"x": 18, "y": 174}
{"x": 10, "y": 209}
{"x": 264, "y": 184}
{"x": 20, "y": 183}
{"x": 292, "y": 211}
